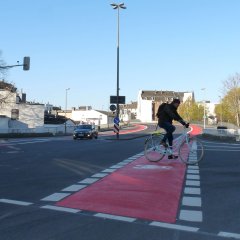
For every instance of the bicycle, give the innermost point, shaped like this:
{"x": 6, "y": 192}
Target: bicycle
{"x": 189, "y": 148}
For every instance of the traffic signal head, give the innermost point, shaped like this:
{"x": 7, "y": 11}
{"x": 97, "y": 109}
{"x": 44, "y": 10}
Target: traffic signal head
{"x": 26, "y": 63}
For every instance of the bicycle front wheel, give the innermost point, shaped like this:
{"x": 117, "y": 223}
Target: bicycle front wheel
{"x": 191, "y": 151}
{"x": 153, "y": 151}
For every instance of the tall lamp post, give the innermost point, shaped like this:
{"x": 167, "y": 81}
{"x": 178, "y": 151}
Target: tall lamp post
{"x": 204, "y": 111}
{"x": 118, "y": 6}
{"x": 66, "y": 109}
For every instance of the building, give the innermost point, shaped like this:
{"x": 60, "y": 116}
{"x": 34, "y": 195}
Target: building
{"x": 128, "y": 112}
{"x": 16, "y": 113}
{"x": 149, "y": 101}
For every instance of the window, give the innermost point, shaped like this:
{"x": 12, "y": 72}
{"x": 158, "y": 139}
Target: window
{"x": 15, "y": 114}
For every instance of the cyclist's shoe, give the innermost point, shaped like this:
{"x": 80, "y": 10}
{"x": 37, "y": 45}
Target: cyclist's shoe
{"x": 172, "y": 156}
{"x": 164, "y": 144}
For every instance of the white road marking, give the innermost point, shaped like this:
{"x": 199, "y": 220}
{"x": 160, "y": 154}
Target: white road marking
{"x": 114, "y": 217}
{"x": 21, "y": 203}
{"x": 193, "y": 171}
{"x": 116, "y": 166}
{"x": 192, "y": 201}
{"x": 190, "y": 190}
{"x": 74, "y": 188}
{"x": 62, "y": 209}
{"x": 229, "y": 235}
{"x": 55, "y": 197}
{"x": 222, "y": 150}
{"x": 190, "y": 176}
{"x": 109, "y": 170}
{"x": 192, "y": 183}
{"x": 193, "y": 167}
{"x": 174, "y": 226}
{"x": 122, "y": 163}
{"x": 191, "y": 215}
{"x": 89, "y": 180}
{"x": 99, "y": 175}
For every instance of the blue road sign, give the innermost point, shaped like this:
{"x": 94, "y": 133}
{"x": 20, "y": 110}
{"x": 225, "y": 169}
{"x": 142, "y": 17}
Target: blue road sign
{"x": 116, "y": 120}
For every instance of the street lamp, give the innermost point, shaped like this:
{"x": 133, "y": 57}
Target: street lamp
{"x": 204, "y": 111}
{"x": 66, "y": 110}
{"x": 118, "y": 6}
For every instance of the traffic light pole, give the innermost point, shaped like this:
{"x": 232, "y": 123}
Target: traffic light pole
{"x": 26, "y": 64}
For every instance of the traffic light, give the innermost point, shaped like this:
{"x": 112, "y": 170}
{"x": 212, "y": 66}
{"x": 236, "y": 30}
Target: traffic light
{"x": 26, "y": 63}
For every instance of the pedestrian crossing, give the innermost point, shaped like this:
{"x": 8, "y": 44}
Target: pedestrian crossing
{"x": 221, "y": 146}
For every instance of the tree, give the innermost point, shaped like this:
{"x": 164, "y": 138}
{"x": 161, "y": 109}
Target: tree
{"x": 191, "y": 111}
{"x": 3, "y": 71}
{"x": 231, "y": 102}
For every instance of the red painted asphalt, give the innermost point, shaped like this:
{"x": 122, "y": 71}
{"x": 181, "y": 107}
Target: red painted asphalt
{"x": 137, "y": 128}
{"x": 141, "y": 189}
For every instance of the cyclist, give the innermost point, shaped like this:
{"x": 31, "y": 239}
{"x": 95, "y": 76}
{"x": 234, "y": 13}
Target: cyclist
{"x": 166, "y": 114}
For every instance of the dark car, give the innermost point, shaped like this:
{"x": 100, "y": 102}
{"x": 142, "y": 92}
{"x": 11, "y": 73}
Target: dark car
{"x": 85, "y": 131}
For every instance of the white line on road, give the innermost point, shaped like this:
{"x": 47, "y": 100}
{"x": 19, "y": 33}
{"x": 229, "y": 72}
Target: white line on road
{"x": 63, "y": 209}
{"x": 114, "y": 217}
{"x": 74, "y": 188}
{"x": 191, "y": 190}
{"x": 191, "y": 215}
{"x": 192, "y": 201}
{"x": 174, "y": 226}
{"x": 89, "y": 180}
{"x": 21, "y": 203}
{"x": 229, "y": 235}
{"x": 55, "y": 197}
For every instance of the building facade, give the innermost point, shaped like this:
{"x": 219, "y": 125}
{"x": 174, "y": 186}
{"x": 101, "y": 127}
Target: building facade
{"x": 149, "y": 101}
{"x": 17, "y": 113}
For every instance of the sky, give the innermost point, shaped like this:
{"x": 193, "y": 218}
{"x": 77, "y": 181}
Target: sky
{"x": 171, "y": 45}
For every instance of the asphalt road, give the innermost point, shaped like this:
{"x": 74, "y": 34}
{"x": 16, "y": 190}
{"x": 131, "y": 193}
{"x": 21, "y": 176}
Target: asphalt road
{"x": 34, "y": 170}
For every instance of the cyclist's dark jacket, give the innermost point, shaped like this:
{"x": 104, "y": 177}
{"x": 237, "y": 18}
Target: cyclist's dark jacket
{"x": 168, "y": 114}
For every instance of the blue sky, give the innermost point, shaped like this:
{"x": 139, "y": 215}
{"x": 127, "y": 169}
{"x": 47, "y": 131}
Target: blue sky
{"x": 178, "y": 45}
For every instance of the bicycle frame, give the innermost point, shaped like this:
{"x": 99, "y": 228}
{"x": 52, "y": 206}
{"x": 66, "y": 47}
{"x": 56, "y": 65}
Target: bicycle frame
{"x": 184, "y": 144}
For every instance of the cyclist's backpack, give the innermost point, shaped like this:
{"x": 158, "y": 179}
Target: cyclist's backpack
{"x": 160, "y": 109}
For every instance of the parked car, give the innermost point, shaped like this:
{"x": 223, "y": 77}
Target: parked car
{"x": 85, "y": 131}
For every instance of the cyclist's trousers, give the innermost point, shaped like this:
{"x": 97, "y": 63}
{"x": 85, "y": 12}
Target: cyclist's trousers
{"x": 169, "y": 128}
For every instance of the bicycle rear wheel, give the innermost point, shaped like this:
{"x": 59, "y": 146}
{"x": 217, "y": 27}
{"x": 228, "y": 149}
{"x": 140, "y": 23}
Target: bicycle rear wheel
{"x": 153, "y": 151}
{"x": 191, "y": 151}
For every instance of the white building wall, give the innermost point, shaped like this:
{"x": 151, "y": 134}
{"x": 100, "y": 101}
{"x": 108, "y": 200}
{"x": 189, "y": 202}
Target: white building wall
{"x": 30, "y": 115}
{"x": 187, "y": 95}
{"x": 144, "y": 109}
{"x": 210, "y": 107}
{"x": 90, "y": 116}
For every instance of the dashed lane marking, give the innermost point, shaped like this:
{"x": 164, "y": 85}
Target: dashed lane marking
{"x": 229, "y": 235}
{"x": 115, "y": 217}
{"x": 174, "y": 226}
{"x": 127, "y": 219}
{"x": 74, "y": 188}
{"x": 190, "y": 190}
{"x": 191, "y": 215}
{"x": 21, "y": 203}
{"x": 55, "y": 197}
{"x": 192, "y": 201}
{"x": 63, "y": 209}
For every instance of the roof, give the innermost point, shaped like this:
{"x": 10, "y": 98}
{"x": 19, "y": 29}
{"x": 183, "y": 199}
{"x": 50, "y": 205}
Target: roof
{"x": 159, "y": 95}
{"x": 7, "y": 86}
{"x": 132, "y": 105}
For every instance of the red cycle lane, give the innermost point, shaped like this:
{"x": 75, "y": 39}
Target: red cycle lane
{"x": 141, "y": 189}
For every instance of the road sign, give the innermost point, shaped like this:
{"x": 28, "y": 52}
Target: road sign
{"x": 113, "y": 107}
{"x": 121, "y": 99}
{"x": 116, "y": 120}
